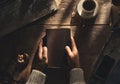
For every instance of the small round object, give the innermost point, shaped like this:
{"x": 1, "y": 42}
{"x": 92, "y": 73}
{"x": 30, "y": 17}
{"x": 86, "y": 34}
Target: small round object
{"x": 22, "y": 58}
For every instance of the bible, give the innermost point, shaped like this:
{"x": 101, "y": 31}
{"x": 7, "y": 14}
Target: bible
{"x": 56, "y": 40}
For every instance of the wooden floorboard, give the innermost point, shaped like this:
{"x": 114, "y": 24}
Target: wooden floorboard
{"x": 89, "y": 39}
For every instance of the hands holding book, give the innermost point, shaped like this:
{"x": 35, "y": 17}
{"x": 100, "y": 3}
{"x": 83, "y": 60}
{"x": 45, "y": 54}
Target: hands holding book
{"x": 76, "y": 73}
{"x": 73, "y": 55}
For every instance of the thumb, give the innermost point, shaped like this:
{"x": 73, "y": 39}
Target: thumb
{"x": 69, "y": 52}
{"x": 45, "y": 52}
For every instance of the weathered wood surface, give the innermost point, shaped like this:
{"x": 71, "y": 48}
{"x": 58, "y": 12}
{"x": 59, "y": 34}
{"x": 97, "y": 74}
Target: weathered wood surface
{"x": 67, "y": 11}
{"x": 15, "y": 14}
{"x": 115, "y": 16}
{"x": 90, "y": 39}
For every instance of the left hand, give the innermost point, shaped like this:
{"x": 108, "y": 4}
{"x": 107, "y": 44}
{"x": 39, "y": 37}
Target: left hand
{"x": 42, "y": 58}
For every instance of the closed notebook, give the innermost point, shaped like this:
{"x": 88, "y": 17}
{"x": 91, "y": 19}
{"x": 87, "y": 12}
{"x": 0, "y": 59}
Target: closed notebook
{"x": 56, "y": 40}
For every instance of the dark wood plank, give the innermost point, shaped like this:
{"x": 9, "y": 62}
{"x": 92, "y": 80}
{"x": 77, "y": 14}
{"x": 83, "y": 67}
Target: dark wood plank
{"x": 63, "y": 15}
{"x": 24, "y": 40}
{"x": 17, "y": 13}
{"x": 89, "y": 39}
{"x": 115, "y": 17}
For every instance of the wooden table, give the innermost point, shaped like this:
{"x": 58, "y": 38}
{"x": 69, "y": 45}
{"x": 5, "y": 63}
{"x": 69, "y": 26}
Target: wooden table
{"x": 90, "y": 39}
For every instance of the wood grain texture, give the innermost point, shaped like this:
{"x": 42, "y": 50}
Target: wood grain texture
{"x": 90, "y": 39}
{"x": 18, "y": 13}
{"x": 63, "y": 15}
{"x": 115, "y": 17}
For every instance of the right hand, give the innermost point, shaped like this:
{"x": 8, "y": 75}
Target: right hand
{"x": 73, "y": 54}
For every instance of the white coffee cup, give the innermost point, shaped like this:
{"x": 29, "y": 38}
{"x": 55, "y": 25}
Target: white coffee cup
{"x": 87, "y": 8}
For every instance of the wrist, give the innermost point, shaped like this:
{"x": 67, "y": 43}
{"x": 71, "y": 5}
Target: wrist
{"x": 40, "y": 67}
{"x": 36, "y": 77}
{"x": 75, "y": 65}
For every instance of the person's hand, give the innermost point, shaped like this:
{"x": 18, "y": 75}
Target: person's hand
{"x": 42, "y": 59}
{"x": 73, "y": 54}
{"x": 43, "y": 52}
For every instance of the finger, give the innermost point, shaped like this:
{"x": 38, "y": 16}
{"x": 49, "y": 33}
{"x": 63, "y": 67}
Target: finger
{"x": 67, "y": 48}
{"x": 45, "y": 53}
{"x": 40, "y": 50}
{"x": 73, "y": 44}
